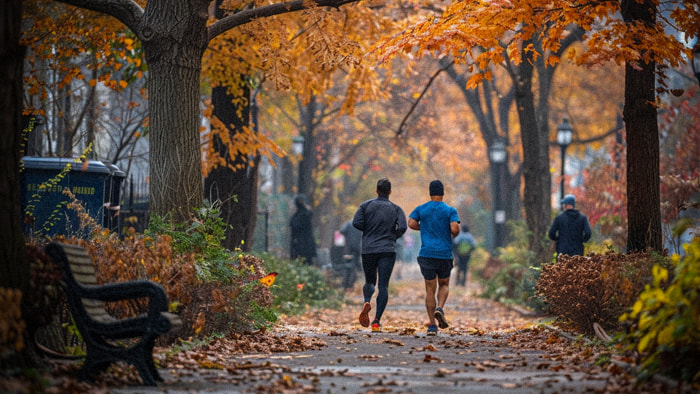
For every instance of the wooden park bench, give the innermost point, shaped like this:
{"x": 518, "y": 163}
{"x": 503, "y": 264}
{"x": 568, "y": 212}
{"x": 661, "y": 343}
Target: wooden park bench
{"x": 108, "y": 339}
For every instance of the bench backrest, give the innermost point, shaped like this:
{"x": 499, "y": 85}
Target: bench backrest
{"x": 79, "y": 270}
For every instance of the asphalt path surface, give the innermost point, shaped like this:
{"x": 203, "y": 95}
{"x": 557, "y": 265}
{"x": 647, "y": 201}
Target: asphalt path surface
{"x": 488, "y": 348}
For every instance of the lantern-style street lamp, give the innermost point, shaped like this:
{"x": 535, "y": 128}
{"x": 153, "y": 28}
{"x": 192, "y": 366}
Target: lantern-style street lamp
{"x": 497, "y": 154}
{"x": 564, "y": 136}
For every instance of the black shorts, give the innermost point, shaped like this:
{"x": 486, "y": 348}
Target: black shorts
{"x": 430, "y": 267}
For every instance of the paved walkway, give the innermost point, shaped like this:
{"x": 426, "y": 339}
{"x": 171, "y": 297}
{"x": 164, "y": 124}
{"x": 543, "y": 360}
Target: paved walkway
{"x": 488, "y": 349}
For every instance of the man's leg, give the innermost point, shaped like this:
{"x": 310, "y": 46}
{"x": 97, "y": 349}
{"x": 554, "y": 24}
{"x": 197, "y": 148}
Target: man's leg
{"x": 369, "y": 266}
{"x": 460, "y": 274}
{"x": 385, "y": 266}
{"x": 430, "y": 286}
{"x": 443, "y": 291}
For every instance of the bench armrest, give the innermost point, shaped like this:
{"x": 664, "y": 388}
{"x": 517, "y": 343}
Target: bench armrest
{"x": 154, "y": 292}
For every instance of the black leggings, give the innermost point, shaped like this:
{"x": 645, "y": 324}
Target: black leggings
{"x": 377, "y": 266}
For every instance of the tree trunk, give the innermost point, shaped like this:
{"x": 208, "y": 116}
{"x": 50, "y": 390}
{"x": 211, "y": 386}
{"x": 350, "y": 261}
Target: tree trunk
{"x": 535, "y": 162}
{"x": 14, "y": 269}
{"x": 236, "y": 190}
{"x": 643, "y": 195}
{"x": 306, "y": 184}
{"x": 15, "y": 272}
{"x": 174, "y": 40}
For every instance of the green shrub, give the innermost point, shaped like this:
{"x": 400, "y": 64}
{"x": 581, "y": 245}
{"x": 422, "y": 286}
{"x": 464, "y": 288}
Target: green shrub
{"x": 511, "y": 277}
{"x": 300, "y": 286}
{"x": 596, "y": 288}
{"x": 666, "y": 317}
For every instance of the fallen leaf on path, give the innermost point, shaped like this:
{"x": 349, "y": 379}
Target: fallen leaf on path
{"x": 429, "y": 358}
{"x": 427, "y": 348}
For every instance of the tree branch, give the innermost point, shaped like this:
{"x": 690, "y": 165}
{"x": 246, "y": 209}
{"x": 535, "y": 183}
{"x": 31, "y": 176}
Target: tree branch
{"x": 415, "y": 103}
{"x": 127, "y": 12}
{"x": 249, "y": 14}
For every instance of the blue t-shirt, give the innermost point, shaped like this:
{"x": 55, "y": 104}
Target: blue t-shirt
{"x": 434, "y": 218}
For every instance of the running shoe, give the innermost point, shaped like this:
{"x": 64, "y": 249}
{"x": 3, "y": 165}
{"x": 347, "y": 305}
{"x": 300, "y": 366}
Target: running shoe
{"x": 432, "y": 330}
{"x": 440, "y": 317}
{"x": 376, "y": 327}
{"x": 364, "y": 315}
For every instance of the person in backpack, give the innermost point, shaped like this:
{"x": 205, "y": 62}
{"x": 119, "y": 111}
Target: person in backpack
{"x": 570, "y": 229}
{"x": 462, "y": 247}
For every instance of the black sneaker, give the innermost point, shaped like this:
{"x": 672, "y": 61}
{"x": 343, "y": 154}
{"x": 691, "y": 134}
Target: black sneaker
{"x": 432, "y": 330}
{"x": 440, "y": 317}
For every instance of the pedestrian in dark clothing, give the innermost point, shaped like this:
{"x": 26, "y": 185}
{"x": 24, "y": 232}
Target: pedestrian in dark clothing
{"x": 382, "y": 223}
{"x": 351, "y": 260}
{"x": 438, "y": 223}
{"x": 462, "y": 246}
{"x": 570, "y": 229}
{"x": 302, "y": 238}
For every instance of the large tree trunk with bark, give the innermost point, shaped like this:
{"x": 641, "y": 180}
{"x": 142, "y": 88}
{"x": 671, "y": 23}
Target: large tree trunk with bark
{"x": 174, "y": 40}
{"x": 640, "y": 116}
{"x": 14, "y": 269}
{"x": 535, "y": 162}
{"x": 235, "y": 190}
{"x": 15, "y": 272}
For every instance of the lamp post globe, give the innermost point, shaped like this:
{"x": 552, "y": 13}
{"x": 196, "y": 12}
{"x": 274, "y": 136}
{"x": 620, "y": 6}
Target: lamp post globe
{"x": 298, "y": 145}
{"x": 497, "y": 152}
{"x": 565, "y": 135}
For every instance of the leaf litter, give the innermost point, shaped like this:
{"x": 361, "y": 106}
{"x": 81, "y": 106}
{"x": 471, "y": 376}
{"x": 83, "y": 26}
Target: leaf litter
{"x": 249, "y": 358}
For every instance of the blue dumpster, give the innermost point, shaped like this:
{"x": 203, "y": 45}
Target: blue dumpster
{"x": 42, "y": 197}
{"x": 113, "y": 197}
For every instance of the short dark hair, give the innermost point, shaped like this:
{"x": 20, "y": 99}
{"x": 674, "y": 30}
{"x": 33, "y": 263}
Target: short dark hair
{"x": 383, "y": 187}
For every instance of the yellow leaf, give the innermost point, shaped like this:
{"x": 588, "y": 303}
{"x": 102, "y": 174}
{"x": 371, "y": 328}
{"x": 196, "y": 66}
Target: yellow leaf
{"x": 644, "y": 342}
{"x": 636, "y": 308}
{"x": 666, "y": 335}
{"x": 123, "y": 84}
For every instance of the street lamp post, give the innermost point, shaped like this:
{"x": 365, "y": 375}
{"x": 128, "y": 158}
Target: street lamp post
{"x": 696, "y": 61}
{"x": 497, "y": 154}
{"x": 298, "y": 149}
{"x": 564, "y": 136}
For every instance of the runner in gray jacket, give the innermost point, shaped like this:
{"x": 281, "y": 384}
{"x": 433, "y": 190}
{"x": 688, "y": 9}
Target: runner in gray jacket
{"x": 382, "y": 222}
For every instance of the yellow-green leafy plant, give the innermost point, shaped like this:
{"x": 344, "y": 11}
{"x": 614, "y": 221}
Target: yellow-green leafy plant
{"x": 665, "y": 319}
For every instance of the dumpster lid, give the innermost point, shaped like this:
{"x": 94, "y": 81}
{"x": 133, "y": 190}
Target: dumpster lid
{"x": 59, "y": 163}
{"x": 116, "y": 172}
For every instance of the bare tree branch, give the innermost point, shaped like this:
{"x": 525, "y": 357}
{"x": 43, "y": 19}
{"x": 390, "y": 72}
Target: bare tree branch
{"x": 415, "y": 103}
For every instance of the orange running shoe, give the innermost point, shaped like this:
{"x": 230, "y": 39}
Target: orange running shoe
{"x": 364, "y": 315}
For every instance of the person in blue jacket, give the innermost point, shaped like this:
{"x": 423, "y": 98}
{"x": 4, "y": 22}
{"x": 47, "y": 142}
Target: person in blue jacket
{"x": 382, "y": 222}
{"x": 570, "y": 229}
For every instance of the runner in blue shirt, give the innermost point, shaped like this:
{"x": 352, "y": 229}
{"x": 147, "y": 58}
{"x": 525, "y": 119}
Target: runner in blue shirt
{"x": 437, "y": 223}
